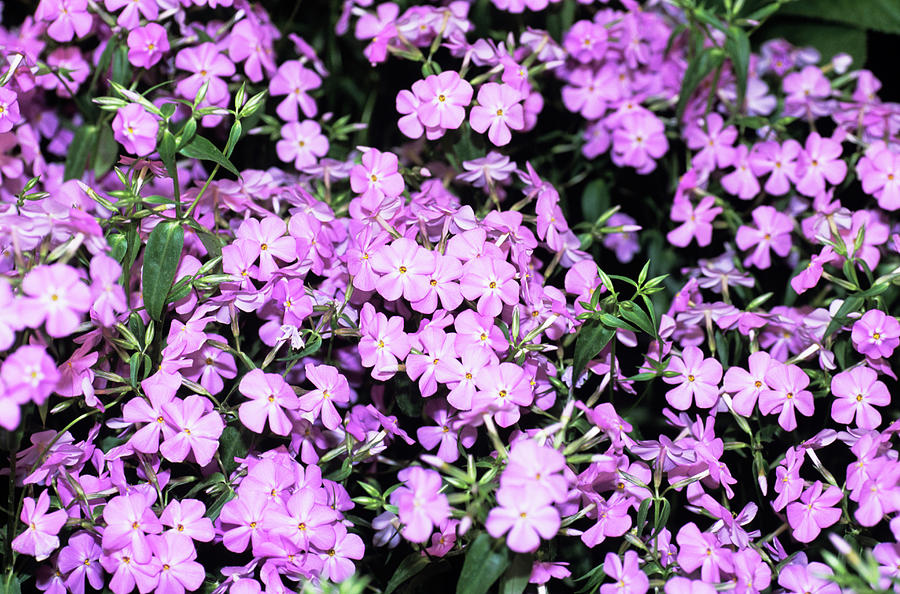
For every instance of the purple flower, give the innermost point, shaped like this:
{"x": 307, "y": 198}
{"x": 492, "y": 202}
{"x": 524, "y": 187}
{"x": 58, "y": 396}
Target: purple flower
{"x": 304, "y": 521}
{"x": 697, "y": 221}
{"x": 503, "y": 389}
{"x": 809, "y": 276}
{"x": 819, "y": 161}
{"x": 772, "y": 231}
{"x": 786, "y": 393}
{"x": 80, "y": 559}
{"x": 269, "y": 395}
{"x": 302, "y": 142}
{"x": 405, "y": 270}
{"x": 9, "y": 109}
{"x": 698, "y": 380}
{"x": 442, "y": 99}
{"x": 626, "y": 572}
{"x": 331, "y": 388}
{"x": 419, "y": 502}
{"x": 639, "y": 139}
{"x": 879, "y": 172}
{"x": 40, "y": 537}
{"x": 57, "y": 296}
{"x": 491, "y": 282}
{"x": 293, "y": 80}
{"x": 148, "y": 44}
{"x": 29, "y": 374}
{"x": 857, "y": 390}
{"x": 207, "y": 65}
{"x": 742, "y": 181}
{"x": 746, "y": 386}
{"x": 383, "y": 342}
{"x": 534, "y": 467}
{"x": 498, "y": 111}
{"x": 186, "y": 517}
{"x": 196, "y": 430}
{"x": 876, "y": 334}
{"x": 814, "y": 512}
{"x": 778, "y": 159}
{"x": 67, "y": 18}
{"x": 336, "y": 561}
{"x": 129, "y": 18}
{"x": 175, "y": 558}
{"x": 527, "y": 515}
{"x": 377, "y": 176}
{"x": 798, "y": 578}
{"x": 702, "y": 550}
{"x": 129, "y": 519}
{"x": 135, "y": 129}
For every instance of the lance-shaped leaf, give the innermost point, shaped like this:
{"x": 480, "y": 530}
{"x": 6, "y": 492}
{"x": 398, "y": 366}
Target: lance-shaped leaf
{"x": 161, "y": 257}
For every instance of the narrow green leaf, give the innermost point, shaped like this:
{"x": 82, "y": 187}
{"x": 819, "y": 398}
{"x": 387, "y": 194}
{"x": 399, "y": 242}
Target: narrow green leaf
{"x": 592, "y": 337}
{"x": 161, "y": 257}
{"x": 515, "y": 580}
{"x": 737, "y": 46}
{"x": 76, "y": 160}
{"x": 636, "y": 316}
{"x": 409, "y": 567}
{"x": 166, "y": 150}
{"x": 485, "y": 563}
{"x": 878, "y": 15}
{"x": 121, "y": 67}
{"x": 201, "y": 148}
{"x": 849, "y": 305}
{"x": 107, "y": 151}
{"x": 595, "y": 199}
{"x": 698, "y": 68}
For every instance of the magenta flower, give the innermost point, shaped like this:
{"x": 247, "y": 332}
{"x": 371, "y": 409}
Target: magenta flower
{"x": 80, "y": 559}
{"x": 437, "y": 347}
{"x": 809, "y": 276}
{"x": 879, "y": 172}
{"x": 814, "y": 512}
{"x": 586, "y": 41}
{"x": 527, "y": 516}
{"x": 639, "y": 139}
{"x": 627, "y": 574}
{"x": 683, "y": 585}
{"x": 107, "y": 294}
{"x": 492, "y": 282}
{"x": 383, "y": 342}
{"x": 446, "y": 434}
{"x": 588, "y": 91}
{"x": 269, "y": 395}
{"x": 714, "y": 143}
{"x": 751, "y": 572}
{"x": 697, "y": 221}
{"x": 304, "y": 521}
{"x": 176, "y": 560}
{"x": 786, "y": 394}
{"x": 612, "y": 518}
{"x": 129, "y": 519}
{"x": 778, "y": 159}
{"x": 377, "y": 176}
{"x": 797, "y": 578}
{"x": 331, "y": 388}
{"x": 135, "y": 129}
{"x": 819, "y": 161}
{"x": 772, "y": 231}
{"x": 419, "y": 502}
{"x": 534, "y": 467}
{"x": 336, "y": 561}
{"x": 147, "y": 45}
{"x": 742, "y": 181}
{"x": 698, "y": 380}
{"x": 858, "y": 391}
{"x": 187, "y": 517}
{"x": 503, "y": 389}
{"x": 196, "y": 429}
{"x": 380, "y": 29}
{"x": 243, "y": 518}
{"x": 405, "y": 270}
{"x": 127, "y": 574}
{"x": 498, "y": 111}
{"x": 207, "y": 65}
{"x": 210, "y": 365}
{"x": 9, "y": 109}
{"x": 876, "y": 334}
{"x": 40, "y": 537}
{"x": 294, "y": 80}
{"x": 29, "y": 374}
{"x": 442, "y": 99}
{"x": 67, "y": 18}
{"x": 879, "y": 495}
{"x": 130, "y": 17}
{"x": 746, "y": 386}
{"x": 443, "y": 285}
{"x": 302, "y": 142}
{"x": 57, "y": 296}
{"x": 702, "y": 550}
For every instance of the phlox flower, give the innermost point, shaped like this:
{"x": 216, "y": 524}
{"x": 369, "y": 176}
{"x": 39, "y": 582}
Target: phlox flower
{"x": 380, "y": 28}
{"x": 442, "y": 99}
{"x": 67, "y": 18}
{"x": 9, "y": 109}
{"x": 806, "y": 92}
{"x": 638, "y": 140}
{"x": 55, "y": 294}
{"x": 888, "y": 557}
{"x": 269, "y": 397}
{"x": 683, "y": 585}
{"x": 29, "y": 374}
{"x": 714, "y": 143}
{"x": 336, "y": 561}
{"x": 491, "y": 282}
{"x": 302, "y": 142}
{"x": 809, "y": 276}
{"x": 814, "y": 512}
{"x": 269, "y": 233}
{"x": 187, "y": 517}
{"x": 772, "y": 231}
{"x": 742, "y": 181}
{"x": 526, "y": 515}
{"x": 446, "y": 434}
{"x": 331, "y": 388}
{"x": 459, "y": 374}
{"x": 543, "y": 571}
{"x": 303, "y": 520}
{"x": 786, "y": 394}
{"x": 80, "y": 559}
{"x": 586, "y": 41}
{"x": 147, "y": 45}
{"x": 405, "y": 270}
{"x": 129, "y": 520}
{"x": 251, "y": 42}
{"x": 135, "y": 129}
{"x": 207, "y": 65}
{"x": 107, "y": 294}
{"x": 377, "y": 176}
{"x": 498, "y": 111}
{"x": 126, "y": 574}
{"x": 879, "y": 495}
{"x": 702, "y": 550}
{"x": 698, "y": 380}
{"x": 536, "y": 467}
{"x": 294, "y": 80}
{"x": 196, "y": 430}
{"x": 819, "y": 161}
{"x": 419, "y": 503}
{"x": 857, "y": 392}
{"x": 436, "y": 346}
{"x": 798, "y": 578}
{"x": 876, "y": 334}
{"x": 443, "y": 285}
{"x": 626, "y": 571}
{"x": 751, "y": 572}
{"x": 382, "y": 343}
{"x": 503, "y": 389}
{"x": 879, "y": 172}
{"x": 778, "y": 159}
{"x": 40, "y": 537}
{"x": 487, "y": 171}
{"x": 745, "y": 386}
{"x": 130, "y": 17}
{"x": 697, "y": 221}
{"x": 588, "y": 91}
{"x": 175, "y": 558}
{"x": 612, "y": 518}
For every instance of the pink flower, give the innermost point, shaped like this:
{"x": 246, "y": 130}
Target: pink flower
{"x": 527, "y": 516}
{"x": 443, "y": 285}
{"x": 380, "y": 29}
{"x": 107, "y": 294}
{"x": 135, "y": 129}
{"x": 187, "y": 517}
{"x": 29, "y": 374}
{"x": 785, "y": 394}
{"x": 498, "y": 111}
{"x": 879, "y": 495}
{"x": 377, "y": 176}
{"x": 742, "y": 181}
{"x": 269, "y": 395}
{"x": 714, "y": 143}
{"x": 405, "y": 270}
{"x": 442, "y": 100}
{"x": 588, "y": 91}
{"x": 270, "y": 235}
{"x": 697, "y": 221}
{"x": 207, "y": 65}
{"x": 293, "y": 80}
{"x": 57, "y": 296}
{"x": 702, "y": 550}
{"x": 80, "y": 558}
{"x": 196, "y": 430}
{"x": 447, "y": 434}
{"x": 419, "y": 503}
{"x": 814, "y": 512}
{"x": 336, "y": 561}
{"x": 746, "y": 386}
{"x": 302, "y": 142}
{"x": 503, "y": 389}
{"x": 819, "y": 161}
{"x": 40, "y": 537}
{"x": 612, "y": 519}
{"x": 809, "y": 276}
{"x": 129, "y": 18}
{"x": 9, "y": 109}
{"x": 331, "y": 388}
{"x": 627, "y": 574}
{"x": 876, "y": 334}
{"x": 772, "y": 231}
{"x": 305, "y": 521}
{"x": 437, "y": 347}
{"x": 382, "y": 343}
{"x": 534, "y": 467}
{"x": 491, "y": 282}
{"x": 175, "y": 558}
{"x": 857, "y": 390}
{"x": 147, "y": 45}
{"x": 639, "y": 139}
{"x": 698, "y": 380}
{"x": 879, "y": 172}
{"x": 67, "y": 18}
{"x": 586, "y": 41}
{"x": 129, "y": 519}
{"x": 778, "y": 159}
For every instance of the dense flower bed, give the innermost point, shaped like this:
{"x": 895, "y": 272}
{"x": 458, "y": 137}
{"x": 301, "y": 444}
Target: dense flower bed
{"x": 251, "y": 345}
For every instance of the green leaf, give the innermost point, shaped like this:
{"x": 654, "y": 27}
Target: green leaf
{"x": 231, "y": 444}
{"x": 107, "y": 151}
{"x": 161, "y": 257}
{"x": 595, "y": 199}
{"x": 828, "y": 38}
{"x": 592, "y": 337}
{"x": 662, "y": 517}
{"x": 636, "y": 316}
{"x": 485, "y": 563}
{"x": 166, "y": 150}
{"x": 878, "y": 15}
{"x": 515, "y": 580}
{"x": 737, "y": 46}
{"x": 698, "y": 69}
{"x": 76, "y": 160}
{"x": 201, "y": 148}
{"x": 121, "y": 68}
{"x": 408, "y": 568}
